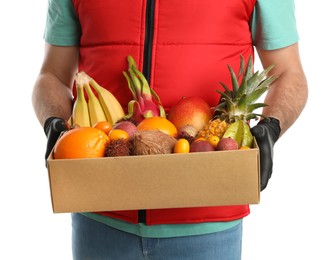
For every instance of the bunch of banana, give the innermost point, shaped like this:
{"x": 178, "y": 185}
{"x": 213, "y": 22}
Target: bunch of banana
{"x": 103, "y": 107}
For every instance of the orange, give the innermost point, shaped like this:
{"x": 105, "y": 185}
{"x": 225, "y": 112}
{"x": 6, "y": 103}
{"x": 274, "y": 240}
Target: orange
{"x": 116, "y": 134}
{"x": 244, "y": 147}
{"x": 200, "y": 139}
{"x": 213, "y": 140}
{"x": 158, "y": 123}
{"x": 181, "y": 146}
{"x": 81, "y": 142}
{"x": 104, "y": 126}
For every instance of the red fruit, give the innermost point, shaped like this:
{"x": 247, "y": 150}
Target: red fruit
{"x": 127, "y": 126}
{"x": 227, "y": 144}
{"x": 201, "y": 146}
{"x": 190, "y": 111}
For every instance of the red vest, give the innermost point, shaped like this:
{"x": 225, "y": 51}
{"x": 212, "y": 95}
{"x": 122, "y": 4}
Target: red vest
{"x": 182, "y": 47}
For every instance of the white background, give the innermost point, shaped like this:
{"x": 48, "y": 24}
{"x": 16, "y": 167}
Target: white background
{"x": 294, "y": 219}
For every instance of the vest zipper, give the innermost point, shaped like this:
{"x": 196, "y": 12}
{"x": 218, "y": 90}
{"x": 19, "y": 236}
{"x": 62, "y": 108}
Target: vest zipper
{"x": 149, "y": 33}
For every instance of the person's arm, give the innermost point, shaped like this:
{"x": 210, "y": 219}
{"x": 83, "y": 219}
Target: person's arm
{"x": 51, "y": 96}
{"x": 287, "y": 96}
{"x": 285, "y": 99}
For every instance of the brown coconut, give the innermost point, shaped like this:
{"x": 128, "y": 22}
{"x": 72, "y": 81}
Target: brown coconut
{"x": 149, "y": 142}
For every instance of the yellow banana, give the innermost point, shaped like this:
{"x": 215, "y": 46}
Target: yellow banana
{"x": 111, "y": 106}
{"x": 95, "y": 109}
{"x": 80, "y": 114}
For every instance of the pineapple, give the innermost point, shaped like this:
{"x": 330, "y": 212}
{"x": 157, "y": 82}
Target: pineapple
{"x": 240, "y": 102}
{"x": 215, "y": 127}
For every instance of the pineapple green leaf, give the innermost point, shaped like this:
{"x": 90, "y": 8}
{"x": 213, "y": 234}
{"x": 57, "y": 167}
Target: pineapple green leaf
{"x": 242, "y": 102}
{"x": 255, "y": 95}
{"x": 252, "y": 116}
{"x": 256, "y": 82}
{"x": 267, "y": 82}
{"x": 253, "y": 82}
{"x": 250, "y": 68}
{"x": 225, "y": 87}
{"x": 247, "y": 75}
{"x": 228, "y": 100}
{"x": 241, "y": 71}
{"x": 253, "y": 107}
{"x": 266, "y": 71}
{"x": 227, "y": 91}
{"x": 233, "y": 80}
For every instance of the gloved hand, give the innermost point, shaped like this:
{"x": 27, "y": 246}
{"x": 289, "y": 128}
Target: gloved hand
{"x": 53, "y": 127}
{"x": 266, "y": 132}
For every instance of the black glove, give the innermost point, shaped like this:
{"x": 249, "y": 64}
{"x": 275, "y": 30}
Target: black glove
{"x": 53, "y": 127}
{"x": 266, "y": 132}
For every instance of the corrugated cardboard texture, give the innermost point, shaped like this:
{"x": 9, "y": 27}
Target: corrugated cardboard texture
{"x": 155, "y": 181}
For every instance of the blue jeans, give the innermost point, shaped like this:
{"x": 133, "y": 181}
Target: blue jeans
{"x": 92, "y": 240}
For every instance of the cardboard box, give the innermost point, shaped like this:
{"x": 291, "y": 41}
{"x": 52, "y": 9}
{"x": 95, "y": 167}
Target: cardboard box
{"x": 155, "y": 181}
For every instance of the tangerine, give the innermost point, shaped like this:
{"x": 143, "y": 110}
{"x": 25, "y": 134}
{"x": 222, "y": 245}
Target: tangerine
{"x": 81, "y": 142}
{"x": 243, "y": 147}
{"x": 213, "y": 140}
{"x": 200, "y": 139}
{"x": 116, "y": 134}
{"x": 105, "y": 126}
{"x": 181, "y": 146}
{"x": 158, "y": 123}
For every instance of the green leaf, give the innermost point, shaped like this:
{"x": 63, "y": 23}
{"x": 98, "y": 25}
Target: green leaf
{"x": 250, "y": 68}
{"x": 131, "y": 61}
{"x": 242, "y": 103}
{"x": 227, "y": 91}
{"x": 130, "y": 84}
{"x": 155, "y": 95}
{"x": 132, "y": 106}
{"x": 135, "y": 81}
{"x": 252, "y": 116}
{"x": 253, "y": 107}
{"x": 253, "y": 82}
{"x": 146, "y": 90}
{"x": 241, "y": 71}
{"x": 266, "y": 71}
{"x": 162, "y": 111}
{"x": 234, "y": 81}
{"x": 255, "y": 95}
{"x": 148, "y": 114}
{"x": 248, "y": 73}
{"x": 228, "y": 101}
{"x": 267, "y": 82}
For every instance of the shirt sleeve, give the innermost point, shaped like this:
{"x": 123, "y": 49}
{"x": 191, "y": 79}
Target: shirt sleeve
{"x": 273, "y": 24}
{"x": 62, "y": 25}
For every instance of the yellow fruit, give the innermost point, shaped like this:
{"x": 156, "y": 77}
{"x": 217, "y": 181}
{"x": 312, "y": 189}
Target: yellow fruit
{"x": 244, "y": 148}
{"x": 181, "y": 146}
{"x": 235, "y": 131}
{"x": 104, "y": 126}
{"x": 117, "y": 134}
{"x": 213, "y": 140}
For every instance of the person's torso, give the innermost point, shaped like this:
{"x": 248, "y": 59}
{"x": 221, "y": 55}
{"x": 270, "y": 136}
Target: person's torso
{"x": 182, "y": 47}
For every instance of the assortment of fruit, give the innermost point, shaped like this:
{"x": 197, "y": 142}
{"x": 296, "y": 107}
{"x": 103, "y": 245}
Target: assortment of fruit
{"x": 102, "y": 129}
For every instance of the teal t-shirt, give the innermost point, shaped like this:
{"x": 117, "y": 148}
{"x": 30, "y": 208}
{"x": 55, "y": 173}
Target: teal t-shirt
{"x": 273, "y": 26}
